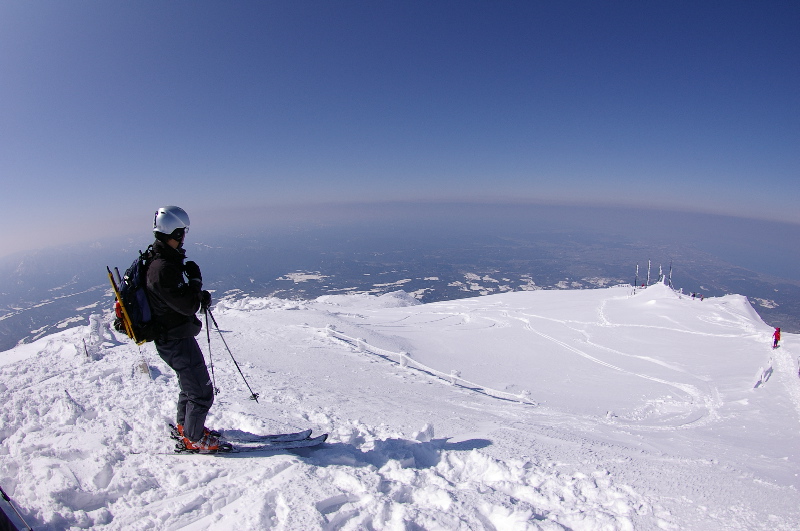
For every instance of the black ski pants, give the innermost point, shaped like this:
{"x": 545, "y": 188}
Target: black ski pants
{"x": 197, "y": 393}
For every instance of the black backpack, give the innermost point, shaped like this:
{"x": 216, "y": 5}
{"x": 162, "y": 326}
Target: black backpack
{"x": 132, "y": 308}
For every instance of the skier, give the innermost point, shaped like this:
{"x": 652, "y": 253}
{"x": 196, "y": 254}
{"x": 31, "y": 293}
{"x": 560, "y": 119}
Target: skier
{"x": 174, "y": 301}
{"x": 776, "y": 336}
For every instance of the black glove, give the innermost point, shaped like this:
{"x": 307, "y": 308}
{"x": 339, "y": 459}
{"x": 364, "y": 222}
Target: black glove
{"x": 205, "y": 300}
{"x": 192, "y": 271}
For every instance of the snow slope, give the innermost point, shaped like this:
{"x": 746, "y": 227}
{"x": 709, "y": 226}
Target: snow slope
{"x": 584, "y": 410}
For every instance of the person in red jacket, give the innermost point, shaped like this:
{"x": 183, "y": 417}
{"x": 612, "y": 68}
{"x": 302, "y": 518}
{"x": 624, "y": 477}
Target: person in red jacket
{"x": 777, "y": 337}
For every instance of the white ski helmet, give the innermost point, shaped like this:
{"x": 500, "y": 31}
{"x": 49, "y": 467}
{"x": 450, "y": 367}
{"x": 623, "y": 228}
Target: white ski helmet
{"x": 168, "y": 219}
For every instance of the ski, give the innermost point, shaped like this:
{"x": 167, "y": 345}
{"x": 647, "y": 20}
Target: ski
{"x": 244, "y": 437}
{"x": 228, "y": 448}
{"x": 279, "y": 445}
{"x": 277, "y": 437}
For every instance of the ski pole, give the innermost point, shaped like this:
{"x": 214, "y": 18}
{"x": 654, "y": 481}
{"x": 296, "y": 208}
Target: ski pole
{"x": 13, "y": 523}
{"x": 253, "y": 395}
{"x": 210, "y": 359}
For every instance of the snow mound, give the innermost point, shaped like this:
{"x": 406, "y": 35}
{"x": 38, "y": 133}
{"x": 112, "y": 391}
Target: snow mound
{"x": 655, "y": 292}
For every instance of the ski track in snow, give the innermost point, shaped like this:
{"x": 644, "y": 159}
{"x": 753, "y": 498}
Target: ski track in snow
{"x": 790, "y": 374}
{"x": 71, "y": 426}
{"x": 709, "y": 401}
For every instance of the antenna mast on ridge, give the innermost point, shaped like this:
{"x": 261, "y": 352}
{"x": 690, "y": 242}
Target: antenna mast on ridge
{"x": 670, "y": 273}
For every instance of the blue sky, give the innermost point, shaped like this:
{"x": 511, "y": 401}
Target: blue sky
{"x": 111, "y": 109}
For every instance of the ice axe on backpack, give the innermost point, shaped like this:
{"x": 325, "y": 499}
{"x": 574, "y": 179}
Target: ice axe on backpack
{"x": 122, "y": 312}
{"x": 134, "y": 318}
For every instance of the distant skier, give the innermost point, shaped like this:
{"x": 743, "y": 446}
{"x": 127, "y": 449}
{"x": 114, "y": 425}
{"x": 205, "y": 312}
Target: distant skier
{"x": 776, "y": 336}
{"x": 174, "y": 301}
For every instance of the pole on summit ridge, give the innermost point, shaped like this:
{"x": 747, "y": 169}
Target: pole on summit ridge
{"x": 670, "y": 273}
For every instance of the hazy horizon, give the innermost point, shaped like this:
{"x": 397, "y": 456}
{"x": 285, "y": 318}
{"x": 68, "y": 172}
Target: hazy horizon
{"x": 768, "y": 247}
{"x": 434, "y": 251}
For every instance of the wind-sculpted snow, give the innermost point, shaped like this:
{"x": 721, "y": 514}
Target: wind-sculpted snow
{"x": 454, "y": 377}
{"x": 641, "y": 412}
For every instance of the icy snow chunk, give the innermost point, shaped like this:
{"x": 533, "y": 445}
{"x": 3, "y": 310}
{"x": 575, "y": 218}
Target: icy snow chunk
{"x": 397, "y": 299}
{"x": 425, "y": 434}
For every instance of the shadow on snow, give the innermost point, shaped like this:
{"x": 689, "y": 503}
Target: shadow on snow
{"x": 410, "y": 454}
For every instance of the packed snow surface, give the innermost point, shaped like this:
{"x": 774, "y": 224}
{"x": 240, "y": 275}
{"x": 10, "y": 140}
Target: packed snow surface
{"x": 583, "y": 410}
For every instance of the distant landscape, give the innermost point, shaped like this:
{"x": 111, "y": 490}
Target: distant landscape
{"x": 44, "y": 291}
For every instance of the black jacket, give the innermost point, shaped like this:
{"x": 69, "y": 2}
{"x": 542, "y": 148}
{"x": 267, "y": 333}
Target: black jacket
{"x": 173, "y": 301}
